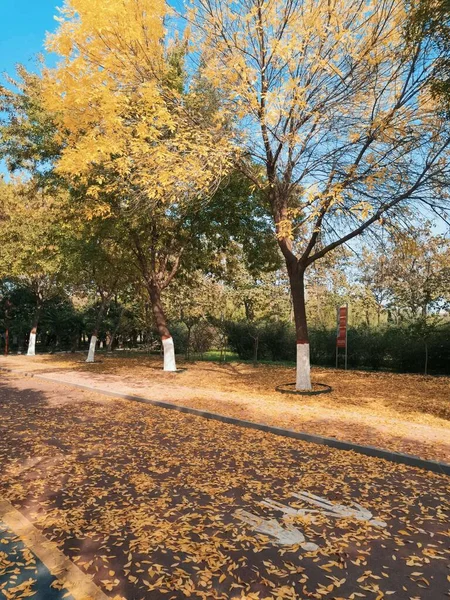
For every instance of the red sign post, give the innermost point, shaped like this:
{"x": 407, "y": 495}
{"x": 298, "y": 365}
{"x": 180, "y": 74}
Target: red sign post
{"x": 342, "y": 326}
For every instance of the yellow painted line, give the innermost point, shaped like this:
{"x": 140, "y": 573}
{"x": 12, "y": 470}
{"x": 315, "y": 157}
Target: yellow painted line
{"x": 75, "y": 581}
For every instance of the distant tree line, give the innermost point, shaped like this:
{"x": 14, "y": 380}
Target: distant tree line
{"x": 397, "y": 288}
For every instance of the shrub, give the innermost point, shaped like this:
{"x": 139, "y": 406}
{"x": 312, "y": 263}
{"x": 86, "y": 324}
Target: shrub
{"x": 179, "y": 334}
{"x": 241, "y": 339}
{"x": 203, "y": 337}
{"x": 393, "y": 347}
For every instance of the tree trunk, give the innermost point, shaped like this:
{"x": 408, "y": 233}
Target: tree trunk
{"x": 93, "y": 343}
{"x": 32, "y": 342}
{"x": 255, "y": 350}
{"x": 297, "y": 283}
{"x": 75, "y": 342}
{"x": 113, "y": 334}
{"x": 33, "y": 332}
{"x": 188, "y": 342}
{"x": 426, "y": 358}
{"x": 161, "y": 325}
{"x": 8, "y": 306}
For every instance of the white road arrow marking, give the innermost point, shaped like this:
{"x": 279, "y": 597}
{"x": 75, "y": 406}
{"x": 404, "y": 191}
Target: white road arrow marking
{"x": 339, "y": 511}
{"x": 287, "y": 510}
{"x": 286, "y": 536}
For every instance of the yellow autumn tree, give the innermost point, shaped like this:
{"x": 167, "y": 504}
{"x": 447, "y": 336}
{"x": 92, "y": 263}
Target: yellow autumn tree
{"x": 333, "y": 101}
{"x": 31, "y": 248}
{"x": 133, "y": 135}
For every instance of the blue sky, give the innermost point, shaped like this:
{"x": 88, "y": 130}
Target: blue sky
{"x": 23, "y": 25}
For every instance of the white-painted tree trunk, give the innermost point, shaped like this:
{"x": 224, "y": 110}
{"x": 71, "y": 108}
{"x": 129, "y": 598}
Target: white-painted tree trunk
{"x": 91, "y": 353}
{"x": 303, "y": 368}
{"x": 32, "y": 344}
{"x": 169, "y": 355}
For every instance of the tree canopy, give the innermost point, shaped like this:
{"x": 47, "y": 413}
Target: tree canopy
{"x": 171, "y": 156}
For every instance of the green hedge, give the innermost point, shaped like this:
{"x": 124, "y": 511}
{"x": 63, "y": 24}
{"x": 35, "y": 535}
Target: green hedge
{"x": 392, "y": 347}
{"x": 276, "y": 341}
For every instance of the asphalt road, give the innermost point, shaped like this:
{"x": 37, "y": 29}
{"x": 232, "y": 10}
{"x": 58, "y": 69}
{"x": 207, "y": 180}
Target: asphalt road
{"x": 152, "y": 503}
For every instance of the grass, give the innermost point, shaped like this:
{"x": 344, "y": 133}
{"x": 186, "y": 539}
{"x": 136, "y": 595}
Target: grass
{"x": 230, "y": 357}
{"x": 233, "y": 357}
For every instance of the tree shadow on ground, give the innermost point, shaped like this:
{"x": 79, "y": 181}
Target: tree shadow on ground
{"x": 143, "y": 498}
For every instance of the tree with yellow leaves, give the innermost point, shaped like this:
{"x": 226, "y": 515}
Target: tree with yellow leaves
{"x": 133, "y": 136}
{"x": 30, "y": 249}
{"x": 413, "y": 277}
{"x": 333, "y": 101}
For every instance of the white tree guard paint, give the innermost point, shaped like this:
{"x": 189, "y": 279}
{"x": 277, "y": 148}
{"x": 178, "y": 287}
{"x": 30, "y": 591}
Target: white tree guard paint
{"x": 32, "y": 345}
{"x": 169, "y": 355}
{"x": 303, "y": 368}
{"x": 91, "y": 353}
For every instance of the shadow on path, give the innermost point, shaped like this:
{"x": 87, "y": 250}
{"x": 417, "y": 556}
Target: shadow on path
{"x": 22, "y": 574}
{"x": 143, "y": 499}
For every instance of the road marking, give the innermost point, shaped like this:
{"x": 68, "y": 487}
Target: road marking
{"x": 325, "y": 507}
{"x": 75, "y": 581}
{"x": 339, "y": 511}
{"x": 286, "y": 536}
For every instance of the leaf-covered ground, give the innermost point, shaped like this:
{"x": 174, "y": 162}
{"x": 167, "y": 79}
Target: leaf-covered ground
{"x": 22, "y": 574}
{"x": 143, "y": 499}
{"x": 404, "y": 413}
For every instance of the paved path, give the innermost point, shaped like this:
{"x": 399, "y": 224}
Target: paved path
{"x": 22, "y": 574}
{"x": 33, "y": 566}
{"x": 153, "y": 504}
{"x": 428, "y": 441}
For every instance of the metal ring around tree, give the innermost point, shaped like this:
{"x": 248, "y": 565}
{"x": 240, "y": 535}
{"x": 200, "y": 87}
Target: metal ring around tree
{"x": 289, "y": 388}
